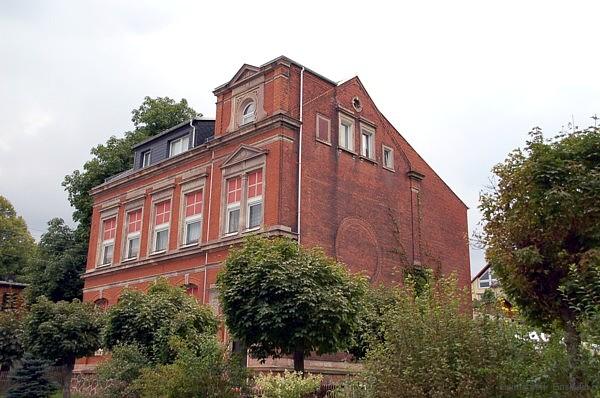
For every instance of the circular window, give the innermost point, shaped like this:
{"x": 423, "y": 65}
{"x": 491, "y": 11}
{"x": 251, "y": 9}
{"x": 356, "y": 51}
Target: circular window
{"x": 248, "y": 114}
{"x": 356, "y": 104}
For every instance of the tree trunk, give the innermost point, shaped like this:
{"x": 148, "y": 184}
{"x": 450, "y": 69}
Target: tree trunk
{"x": 578, "y": 386}
{"x": 299, "y": 360}
{"x": 68, "y": 375}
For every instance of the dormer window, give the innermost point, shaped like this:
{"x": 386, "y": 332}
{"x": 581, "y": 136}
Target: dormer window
{"x": 179, "y": 145}
{"x": 146, "y": 159}
{"x": 249, "y": 113}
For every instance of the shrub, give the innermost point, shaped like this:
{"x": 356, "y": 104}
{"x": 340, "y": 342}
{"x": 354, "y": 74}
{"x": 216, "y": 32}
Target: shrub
{"x": 201, "y": 369}
{"x": 287, "y": 385}
{"x": 118, "y": 373}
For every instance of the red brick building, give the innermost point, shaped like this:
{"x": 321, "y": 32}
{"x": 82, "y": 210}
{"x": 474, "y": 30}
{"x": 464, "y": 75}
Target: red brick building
{"x": 364, "y": 194}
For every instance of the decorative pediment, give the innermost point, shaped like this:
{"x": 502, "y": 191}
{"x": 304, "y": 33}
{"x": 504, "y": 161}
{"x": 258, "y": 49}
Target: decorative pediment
{"x": 244, "y": 72}
{"x": 242, "y": 154}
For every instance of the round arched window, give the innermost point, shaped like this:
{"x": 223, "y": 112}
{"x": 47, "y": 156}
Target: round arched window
{"x": 248, "y": 114}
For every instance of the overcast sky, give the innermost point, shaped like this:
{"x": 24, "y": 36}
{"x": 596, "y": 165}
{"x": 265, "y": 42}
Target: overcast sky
{"x": 462, "y": 81}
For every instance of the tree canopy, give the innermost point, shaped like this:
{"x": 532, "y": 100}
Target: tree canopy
{"x": 281, "y": 299}
{"x": 542, "y": 229}
{"x": 16, "y": 244}
{"x": 62, "y": 332}
{"x": 55, "y": 272}
{"x": 150, "y": 319}
{"x": 116, "y": 155}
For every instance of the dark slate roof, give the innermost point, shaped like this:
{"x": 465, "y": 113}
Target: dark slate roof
{"x": 170, "y": 130}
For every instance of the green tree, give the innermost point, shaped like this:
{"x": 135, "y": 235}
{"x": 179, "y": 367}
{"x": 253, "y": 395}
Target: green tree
{"x": 431, "y": 347}
{"x": 111, "y": 158}
{"x": 30, "y": 379}
{"x": 116, "y": 155}
{"x": 119, "y": 373}
{"x": 16, "y": 244}
{"x": 150, "y": 319}
{"x": 281, "y": 299}
{"x": 542, "y": 228}
{"x": 62, "y": 332}
{"x": 56, "y": 270}
{"x": 11, "y": 337}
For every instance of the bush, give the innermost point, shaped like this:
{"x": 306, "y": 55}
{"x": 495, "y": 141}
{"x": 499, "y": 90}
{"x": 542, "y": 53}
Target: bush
{"x": 118, "y": 373}
{"x": 434, "y": 348}
{"x": 287, "y": 385}
{"x": 201, "y": 369}
{"x": 11, "y": 337}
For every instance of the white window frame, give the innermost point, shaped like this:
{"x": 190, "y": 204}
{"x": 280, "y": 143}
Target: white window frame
{"x": 133, "y": 235}
{"x": 385, "y": 149}
{"x": 370, "y": 132}
{"x": 231, "y": 208}
{"x": 182, "y": 140}
{"x": 186, "y": 221}
{"x": 250, "y": 117}
{"x": 346, "y": 121}
{"x": 146, "y": 162}
{"x": 106, "y": 244}
{"x": 161, "y": 227}
{"x": 251, "y": 202}
{"x": 490, "y": 280}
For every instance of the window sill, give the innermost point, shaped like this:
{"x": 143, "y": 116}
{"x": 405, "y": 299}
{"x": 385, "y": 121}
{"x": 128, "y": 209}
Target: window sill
{"x": 251, "y": 229}
{"x": 341, "y": 148}
{"x": 158, "y": 252}
{"x": 127, "y": 260}
{"x": 190, "y": 245}
{"x": 103, "y": 265}
{"x": 328, "y": 143}
{"x": 389, "y": 169}
{"x": 367, "y": 159}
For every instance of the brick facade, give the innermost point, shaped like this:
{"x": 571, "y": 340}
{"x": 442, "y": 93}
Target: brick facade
{"x": 370, "y": 217}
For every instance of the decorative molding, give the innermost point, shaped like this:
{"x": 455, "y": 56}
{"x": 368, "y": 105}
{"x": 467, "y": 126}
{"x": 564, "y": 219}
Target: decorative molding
{"x": 243, "y": 154}
{"x": 415, "y": 175}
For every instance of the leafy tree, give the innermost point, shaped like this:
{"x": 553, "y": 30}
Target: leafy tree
{"x": 116, "y": 155}
{"x": 151, "y": 319}
{"x": 11, "y": 337}
{"x": 30, "y": 380}
{"x": 542, "y": 231}
{"x": 16, "y": 244}
{"x": 202, "y": 368}
{"x": 56, "y": 270}
{"x": 62, "y": 332}
{"x": 282, "y": 299}
{"x": 109, "y": 159}
{"x": 369, "y": 330}
{"x": 433, "y": 348}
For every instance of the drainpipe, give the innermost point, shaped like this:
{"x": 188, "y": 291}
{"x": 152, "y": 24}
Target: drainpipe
{"x": 193, "y": 132}
{"x": 300, "y": 152}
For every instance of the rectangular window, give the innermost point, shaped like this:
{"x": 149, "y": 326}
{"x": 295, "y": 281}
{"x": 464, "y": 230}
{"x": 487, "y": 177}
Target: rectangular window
{"x": 346, "y": 134}
{"x": 146, "y": 159}
{"x": 388, "y": 158}
{"x": 193, "y": 218}
{"x": 367, "y": 143}
{"x": 134, "y": 227}
{"x": 162, "y": 217}
{"x": 323, "y": 129}
{"x": 109, "y": 230}
{"x": 254, "y": 202}
{"x": 234, "y": 198}
{"x": 179, "y": 145}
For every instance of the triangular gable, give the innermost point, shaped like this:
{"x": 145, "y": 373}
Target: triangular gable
{"x": 245, "y": 71}
{"x": 243, "y": 153}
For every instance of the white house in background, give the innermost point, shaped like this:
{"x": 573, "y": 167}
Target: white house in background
{"x": 484, "y": 280}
